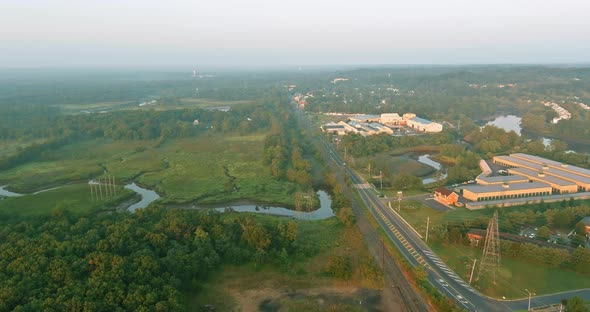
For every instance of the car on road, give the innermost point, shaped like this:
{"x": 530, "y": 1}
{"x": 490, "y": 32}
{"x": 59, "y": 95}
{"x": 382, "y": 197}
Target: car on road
{"x": 461, "y": 299}
{"x": 442, "y": 282}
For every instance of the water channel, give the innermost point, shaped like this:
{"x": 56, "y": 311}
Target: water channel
{"x": 324, "y": 212}
{"x": 439, "y": 175}
{"x": 149, "y": 196}
{"x": 6, "y": 193}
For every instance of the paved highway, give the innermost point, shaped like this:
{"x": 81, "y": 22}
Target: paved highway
{"x": 411, "y": 245}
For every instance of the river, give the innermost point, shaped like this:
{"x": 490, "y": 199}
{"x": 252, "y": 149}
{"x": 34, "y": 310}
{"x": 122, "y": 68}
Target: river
{"x": 147, "y": 196}
{"x": 324, "y": 212}
{"x": 425, "y": 159}
{"x": 6, "y": 193}
{"x": 512, "y": 122}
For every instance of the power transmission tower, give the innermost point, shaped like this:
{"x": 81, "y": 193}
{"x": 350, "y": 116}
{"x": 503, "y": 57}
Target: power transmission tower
{"x": 91, "y": 184}
{"x": 490, "y": 259}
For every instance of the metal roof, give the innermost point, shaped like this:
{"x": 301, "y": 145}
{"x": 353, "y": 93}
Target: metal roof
{"x": 547, "y": 178}
{"x": 552, "y": 163}
{"x": 548, "y": 170}
{"x": 421, "y": 120}
{"x": 500, "y": 188}
{"x": 509, "y": 178}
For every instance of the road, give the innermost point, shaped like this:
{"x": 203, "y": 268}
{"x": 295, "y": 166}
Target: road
{"x": 411, "y": 245}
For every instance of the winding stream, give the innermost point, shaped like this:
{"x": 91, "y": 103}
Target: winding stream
{"x": 147, "y": 196}
{"x": 425, "y": 159}
{"x": 7, "y": 193}
{"x": 324, "y": 212}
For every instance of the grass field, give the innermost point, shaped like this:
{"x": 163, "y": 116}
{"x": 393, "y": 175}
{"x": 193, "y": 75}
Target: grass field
{"x": 514, "y": 275}
{"x": 393, "y": 164}
{"x": 82, "y": 161}
{"x": 303, "y": 286}
{"x": 73, "y": 108}
{"x": 74, "y": 198}
{"x": 196, "y": 171}
{"x": 184, "y": 170}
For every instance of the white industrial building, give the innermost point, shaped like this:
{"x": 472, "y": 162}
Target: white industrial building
{"x": 424, "y": 125}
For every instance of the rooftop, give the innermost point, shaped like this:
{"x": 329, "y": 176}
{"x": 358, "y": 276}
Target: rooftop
{"x": 421, "y": 120}
{"x": 510, "y": 178}
{"x": 553, "y": 163}
{"x": 549, "y": 170}
{"x": 501, "y": 188}
{"x": 547, "y": 178}
{"x": 443, "y": 190}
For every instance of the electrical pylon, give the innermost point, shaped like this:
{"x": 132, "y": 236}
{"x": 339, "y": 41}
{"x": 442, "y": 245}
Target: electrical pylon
{"x": 490, "y": 259}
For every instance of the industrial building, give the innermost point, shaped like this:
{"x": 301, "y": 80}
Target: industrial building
{"x": 559, "y": 186}
{"x": 423, "y": 125}
{"x": 505, "y": 191}
{"x": 502, "y": 180}
{"x": 530, "y": 180}
{"x": 340, "y": 128}
{"x": 375, "y": 124}
{"x": 547, "y": 167}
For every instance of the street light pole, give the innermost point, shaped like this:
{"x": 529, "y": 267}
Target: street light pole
{"x": 472, "y": 270}
{"x": 427, "y": 225}
{"x": 530, "y": 295}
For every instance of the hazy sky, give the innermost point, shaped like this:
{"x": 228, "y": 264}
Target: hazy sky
{"x": 283, "y": 32}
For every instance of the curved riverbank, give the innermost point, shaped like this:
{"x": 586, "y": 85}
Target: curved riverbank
{"x": 323, "y": 212}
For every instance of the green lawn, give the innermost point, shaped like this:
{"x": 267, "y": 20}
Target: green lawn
{"x": 514, "y": 275}
{"x": 75, "y": 198}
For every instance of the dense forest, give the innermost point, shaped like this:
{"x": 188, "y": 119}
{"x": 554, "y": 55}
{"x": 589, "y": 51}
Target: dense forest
{"x": 142, "y": 261}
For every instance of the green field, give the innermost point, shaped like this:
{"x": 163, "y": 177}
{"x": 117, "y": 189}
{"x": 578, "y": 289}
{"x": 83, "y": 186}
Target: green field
{"x": 81, "y": 161}
{"x": 183, "y": 170}
{"x": 394, "y": 164}
{"x": 75, "y": 198}
{"x": 514, "y": 275}
{"x": 196, "y": 171}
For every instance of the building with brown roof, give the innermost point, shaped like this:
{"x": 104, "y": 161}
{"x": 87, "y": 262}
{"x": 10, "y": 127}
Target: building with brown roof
{"x": 446, "y": 196}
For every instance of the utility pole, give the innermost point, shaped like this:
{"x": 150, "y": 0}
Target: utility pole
{"x": 427, "y": 225}
{"x": 91, "y": 192}
{"x": 101, "y": 189}
{"x": 382, "y": 255}
{"x": 381, "y": 177}
{"x": 399, "y": 200}
{"x": 370, "y": 170}
{"x": 530, "y": 295}
{"x": 472, "y": 270}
